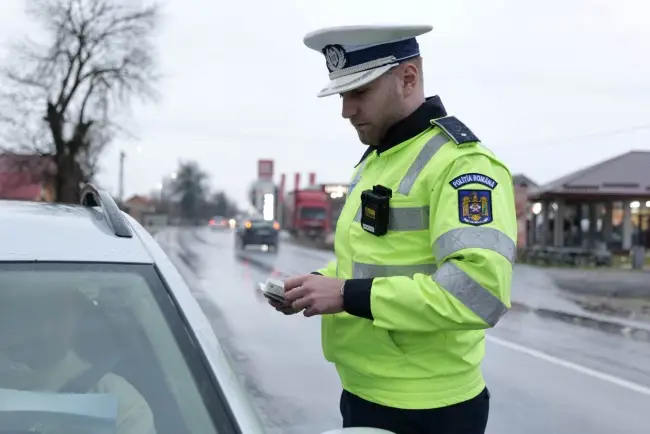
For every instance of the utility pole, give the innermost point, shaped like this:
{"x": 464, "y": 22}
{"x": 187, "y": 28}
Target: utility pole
{"x": 121, "y": 180}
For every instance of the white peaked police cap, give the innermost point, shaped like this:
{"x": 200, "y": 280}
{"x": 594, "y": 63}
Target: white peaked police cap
{"x": 357, "y": 55}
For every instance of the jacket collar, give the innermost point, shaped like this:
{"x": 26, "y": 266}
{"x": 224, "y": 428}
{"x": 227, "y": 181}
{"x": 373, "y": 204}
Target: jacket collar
{"x": 410, "y": 126}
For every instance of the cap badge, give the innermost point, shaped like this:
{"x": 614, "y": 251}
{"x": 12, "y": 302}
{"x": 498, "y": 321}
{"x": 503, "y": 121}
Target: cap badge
{"x": 335, "y": 57}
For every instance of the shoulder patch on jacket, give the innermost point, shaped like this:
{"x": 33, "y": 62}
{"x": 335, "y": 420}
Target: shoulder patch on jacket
{"x": 475, "y": 207}
{"x": 473, "y": 178}
{"x": 456, "y": 130}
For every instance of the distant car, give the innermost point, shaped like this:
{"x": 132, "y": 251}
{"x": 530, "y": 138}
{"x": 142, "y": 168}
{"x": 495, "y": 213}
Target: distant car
{"x": 95, "y": 321}
{"x": 218, "y": 223}
{"x": 257, "y": 231}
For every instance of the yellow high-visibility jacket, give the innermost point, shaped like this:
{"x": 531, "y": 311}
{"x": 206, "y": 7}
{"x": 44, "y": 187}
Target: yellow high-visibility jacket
{"x": 419, "y": 298}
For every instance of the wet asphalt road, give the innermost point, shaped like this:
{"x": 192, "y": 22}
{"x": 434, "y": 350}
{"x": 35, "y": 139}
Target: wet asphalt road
{"x": 544, "y": 376}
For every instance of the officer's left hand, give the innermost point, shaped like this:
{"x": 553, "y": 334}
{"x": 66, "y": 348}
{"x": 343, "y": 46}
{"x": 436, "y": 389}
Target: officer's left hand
{"x": 316, "y": 294}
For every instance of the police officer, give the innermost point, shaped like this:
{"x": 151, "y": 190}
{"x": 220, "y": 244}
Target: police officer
{"x": 424, "y": 245}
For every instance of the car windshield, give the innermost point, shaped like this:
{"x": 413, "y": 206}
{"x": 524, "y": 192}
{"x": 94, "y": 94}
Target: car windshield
{"x": 109, "y": 341}
{"x": 313, "y": 213}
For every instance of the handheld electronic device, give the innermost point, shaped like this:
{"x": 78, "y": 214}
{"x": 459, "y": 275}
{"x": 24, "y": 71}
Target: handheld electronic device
{"x": 274, "y": 290}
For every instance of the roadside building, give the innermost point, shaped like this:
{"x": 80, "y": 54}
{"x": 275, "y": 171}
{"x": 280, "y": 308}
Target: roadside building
{"x": 606, "y": 205}
{"x": 26, "y": 177}
{"x": 139, "y": 207}
{"x": 524, "y": 186}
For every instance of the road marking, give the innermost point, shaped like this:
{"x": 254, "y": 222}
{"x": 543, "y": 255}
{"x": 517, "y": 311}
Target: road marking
{"x": 629, "y": 385}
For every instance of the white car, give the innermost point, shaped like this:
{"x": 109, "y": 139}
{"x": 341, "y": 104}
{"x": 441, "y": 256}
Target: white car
{"x": 99, "y": 332}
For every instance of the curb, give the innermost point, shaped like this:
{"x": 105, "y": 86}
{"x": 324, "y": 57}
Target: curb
{"x": 257, "y": 262}
{"x": 611, "y": 326}
{"x": 263, "y": 264}
{"x": 606, "y": 325}
{"x": 309, "y": 244}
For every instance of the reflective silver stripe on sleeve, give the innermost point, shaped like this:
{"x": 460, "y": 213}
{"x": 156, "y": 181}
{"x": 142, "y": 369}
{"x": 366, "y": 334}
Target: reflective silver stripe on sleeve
{"x": 355, "y": 181}
{"x": 357, "y": 216}
{"x": 357, "y": 176}
{"x": 405, "y": 219}
{"x": 466, "y": 238}
{"x": 476, "y": 298}
{"x": 364, "y": 271}
{"x": 427, "y": 152}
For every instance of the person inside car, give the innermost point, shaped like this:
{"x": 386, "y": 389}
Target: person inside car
{"x": 38, "y": 322}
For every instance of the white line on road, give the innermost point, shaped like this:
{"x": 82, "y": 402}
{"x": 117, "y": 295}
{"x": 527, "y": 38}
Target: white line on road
{"x": 573, "y": 366}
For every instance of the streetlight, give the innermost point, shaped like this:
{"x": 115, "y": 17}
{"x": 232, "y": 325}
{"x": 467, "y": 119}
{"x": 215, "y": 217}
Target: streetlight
{"x": 173, "y": 175}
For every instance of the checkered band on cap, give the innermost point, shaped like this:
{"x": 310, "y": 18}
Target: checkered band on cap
{"x": 345, "y": 60}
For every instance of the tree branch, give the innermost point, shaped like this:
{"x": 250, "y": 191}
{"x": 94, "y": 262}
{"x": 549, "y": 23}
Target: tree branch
{"x": 98, "y": 56}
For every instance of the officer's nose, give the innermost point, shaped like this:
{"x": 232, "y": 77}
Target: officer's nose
{"x": 349, "y": 106}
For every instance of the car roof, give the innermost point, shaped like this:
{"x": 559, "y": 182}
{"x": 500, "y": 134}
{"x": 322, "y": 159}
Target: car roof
{"x": 39, "y": 231}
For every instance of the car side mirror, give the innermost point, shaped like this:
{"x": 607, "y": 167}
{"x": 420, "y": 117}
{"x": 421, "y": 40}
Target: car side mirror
{"x": 358, "y": 431}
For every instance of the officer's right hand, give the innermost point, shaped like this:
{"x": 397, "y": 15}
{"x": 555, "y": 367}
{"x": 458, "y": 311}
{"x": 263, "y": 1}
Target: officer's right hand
{"x": 285, "y": 309}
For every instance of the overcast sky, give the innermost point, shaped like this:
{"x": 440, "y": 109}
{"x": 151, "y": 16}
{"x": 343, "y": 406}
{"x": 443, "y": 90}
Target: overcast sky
{"x": 538, "y": 82}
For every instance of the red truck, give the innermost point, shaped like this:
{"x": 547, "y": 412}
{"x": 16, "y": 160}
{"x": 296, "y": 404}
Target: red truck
{"x": 307, "y": 213}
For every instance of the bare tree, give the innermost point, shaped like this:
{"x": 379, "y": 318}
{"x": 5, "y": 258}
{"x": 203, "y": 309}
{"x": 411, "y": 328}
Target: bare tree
{"x": 191, "y": 188}
{"x": 219, "y": 204}
{"x": 62, "y": 97}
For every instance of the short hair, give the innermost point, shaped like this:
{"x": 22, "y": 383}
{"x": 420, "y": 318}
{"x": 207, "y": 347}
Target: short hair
{"x": 417, "y": 61}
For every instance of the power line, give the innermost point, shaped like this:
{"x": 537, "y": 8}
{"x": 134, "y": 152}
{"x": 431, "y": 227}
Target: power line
{"x": 564, "y": 139}
{"x": 325, "y": 140}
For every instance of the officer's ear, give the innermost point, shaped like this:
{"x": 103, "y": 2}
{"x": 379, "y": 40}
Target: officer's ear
{"x": 411, "y": 75}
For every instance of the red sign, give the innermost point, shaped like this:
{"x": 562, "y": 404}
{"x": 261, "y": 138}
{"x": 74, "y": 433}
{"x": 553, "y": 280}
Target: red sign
{"x": 265, "y": 169}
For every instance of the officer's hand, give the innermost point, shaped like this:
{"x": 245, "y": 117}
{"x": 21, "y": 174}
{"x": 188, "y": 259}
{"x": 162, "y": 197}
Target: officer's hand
{"x": 280, "y": 307}
{"x": 317, "y": 295}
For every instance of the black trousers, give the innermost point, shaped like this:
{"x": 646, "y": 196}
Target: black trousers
{"x": 469, "y": 417}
